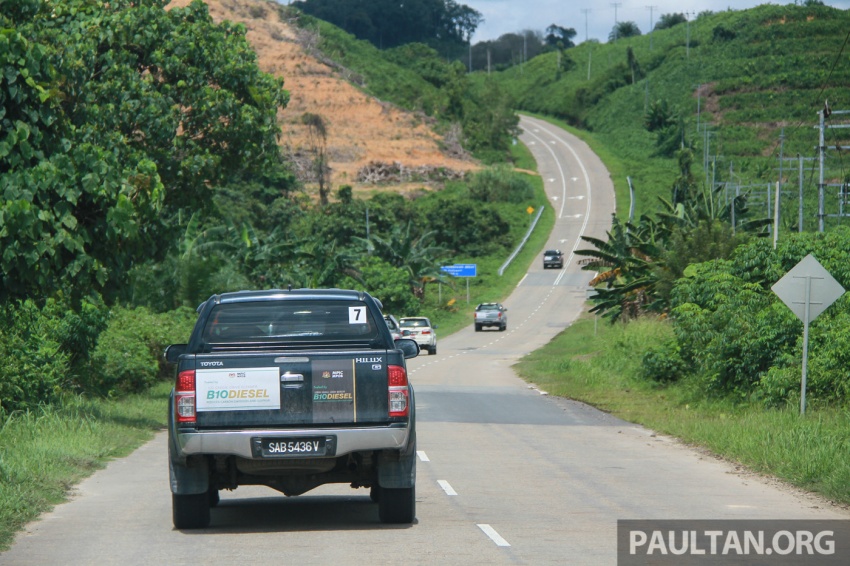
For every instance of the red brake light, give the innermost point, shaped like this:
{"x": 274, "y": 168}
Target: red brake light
{"x": 186, "y": 381}
{"x": 397, "y": 376}
{"x": 399, "y": 395}
{"x": 184, "y": 397}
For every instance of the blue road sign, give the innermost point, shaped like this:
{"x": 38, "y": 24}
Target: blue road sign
{"x": 461, "y": 269}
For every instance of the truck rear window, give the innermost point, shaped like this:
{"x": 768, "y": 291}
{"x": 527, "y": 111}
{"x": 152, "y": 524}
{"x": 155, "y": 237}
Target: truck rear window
{"x": 276, "y": 321}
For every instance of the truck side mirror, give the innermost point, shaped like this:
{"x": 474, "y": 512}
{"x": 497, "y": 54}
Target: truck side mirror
{"x": 173, "y": 352}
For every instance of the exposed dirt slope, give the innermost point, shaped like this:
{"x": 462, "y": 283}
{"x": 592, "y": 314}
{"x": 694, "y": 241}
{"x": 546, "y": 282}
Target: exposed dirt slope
{"x": 360, "y": 129}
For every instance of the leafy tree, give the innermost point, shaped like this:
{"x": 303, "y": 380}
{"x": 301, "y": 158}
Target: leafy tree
{"x": 318, "y": 141}
{"x": 560, "y": 37}
{"x": 489, "y": 122}
{"x": 417, "y": 254}
{"x": 666, "y": 21}
{"x": 465, "y": 226}
{"x": 500, "y": 184}
{"x": 668, "y": 125}
{"x": 388, "y": 283}
{"x": 387, "y": 23}
{"x": 623, "y": 29}
{"x": 114, "y": 114}
{"x": 425, "y": 60}
{"x": 508, "y": 50}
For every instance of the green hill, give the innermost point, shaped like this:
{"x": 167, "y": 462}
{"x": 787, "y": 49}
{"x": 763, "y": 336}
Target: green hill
{"x": 729, "y": 84}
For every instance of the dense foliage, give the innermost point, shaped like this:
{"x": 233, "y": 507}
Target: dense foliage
{"x": 114, "y": 115}
{"x": 388, "y": 23}
{"x": 734, "y": 335}
{"x": 740, "y": 87}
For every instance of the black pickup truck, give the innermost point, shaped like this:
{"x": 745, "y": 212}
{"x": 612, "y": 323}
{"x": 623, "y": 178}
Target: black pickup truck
{"x": 291, "y": 389}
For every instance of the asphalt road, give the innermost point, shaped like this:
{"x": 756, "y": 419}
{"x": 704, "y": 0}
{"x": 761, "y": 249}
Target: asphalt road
{"x": 506, "y": 473}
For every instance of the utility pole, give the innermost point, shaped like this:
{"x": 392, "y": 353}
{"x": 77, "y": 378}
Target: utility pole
{"x": 650, "y": 8}
{"x": 616, "y": 31}
{"x": 800, "y": 208}
{"x": 524, "y": 52}
{"x": 823, "y": 115}
{"x": 470, "y": 54}
{"x": 586, "y": 11}
{"x": 699, "y": 102}
{"x": 821, "y": 151}
{"x": 776, "y": 210}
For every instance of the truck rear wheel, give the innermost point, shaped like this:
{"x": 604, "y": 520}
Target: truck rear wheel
{"x": 190, "y": 511}
{"x": 397, "y": 505}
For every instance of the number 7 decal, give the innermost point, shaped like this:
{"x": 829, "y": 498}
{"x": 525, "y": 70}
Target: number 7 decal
{"x": 357, "y": 315}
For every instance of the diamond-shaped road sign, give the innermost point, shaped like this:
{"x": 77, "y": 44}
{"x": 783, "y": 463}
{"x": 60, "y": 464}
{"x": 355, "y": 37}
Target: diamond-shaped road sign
{"x": 810, "y": 283}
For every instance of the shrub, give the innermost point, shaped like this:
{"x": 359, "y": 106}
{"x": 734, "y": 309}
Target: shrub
{"x": 663, "y": 363}
{"x": 33, "y": 366}
{"x": 129, "y": 353}
{"x": 500, "y": 184}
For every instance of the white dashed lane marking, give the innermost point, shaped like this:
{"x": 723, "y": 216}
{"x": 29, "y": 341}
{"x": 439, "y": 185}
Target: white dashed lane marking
{"x": 494, "y": 536}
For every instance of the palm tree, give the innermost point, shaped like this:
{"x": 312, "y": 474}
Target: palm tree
{"x": 624, "y": 266}
{"x": 417, "y": 254}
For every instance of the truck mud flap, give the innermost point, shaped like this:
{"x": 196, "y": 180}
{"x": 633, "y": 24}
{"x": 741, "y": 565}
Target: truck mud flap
{"x": 398, "y": 469}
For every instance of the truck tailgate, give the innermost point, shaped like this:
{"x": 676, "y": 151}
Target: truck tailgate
{"x": 280, "y": 390}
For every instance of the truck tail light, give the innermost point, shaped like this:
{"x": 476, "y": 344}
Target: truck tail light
{"x": 399, "y": 392}
{"x": 184, "y": 397}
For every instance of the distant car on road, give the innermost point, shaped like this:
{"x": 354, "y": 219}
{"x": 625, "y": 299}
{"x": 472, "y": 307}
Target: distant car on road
{"x": 553, "y": 258}
{"x": 490, "y": 314}
{"x": 419, "y": 328}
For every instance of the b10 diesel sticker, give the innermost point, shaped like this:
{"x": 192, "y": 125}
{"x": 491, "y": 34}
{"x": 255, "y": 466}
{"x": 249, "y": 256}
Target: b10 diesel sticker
{"x": 334, "y": 391}
{"x": 240, "y": 389}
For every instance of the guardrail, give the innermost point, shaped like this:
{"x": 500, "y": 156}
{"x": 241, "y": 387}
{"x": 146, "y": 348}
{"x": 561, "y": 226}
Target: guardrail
{"x": 522, "y": 243}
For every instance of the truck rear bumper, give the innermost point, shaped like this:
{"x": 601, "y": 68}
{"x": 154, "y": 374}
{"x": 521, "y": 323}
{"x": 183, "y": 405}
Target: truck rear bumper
{"x": 238, "y": 443}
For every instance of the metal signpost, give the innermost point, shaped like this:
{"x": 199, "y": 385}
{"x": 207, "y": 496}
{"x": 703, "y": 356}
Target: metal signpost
{"x": 466, "y": 270}
{"x": 808, "y": 289}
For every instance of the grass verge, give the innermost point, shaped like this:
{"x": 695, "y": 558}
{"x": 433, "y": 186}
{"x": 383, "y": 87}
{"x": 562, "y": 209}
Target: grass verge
{"x": 596, "y": 363}
{"x": 44, "y": 453}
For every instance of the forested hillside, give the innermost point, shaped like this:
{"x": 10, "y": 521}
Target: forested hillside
{"x": 706, "y": 120}
{"x": 739, "y": 88}
{"x": 145, "y": 168}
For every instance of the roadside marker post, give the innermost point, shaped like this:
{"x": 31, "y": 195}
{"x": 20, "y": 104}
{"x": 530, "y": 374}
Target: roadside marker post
{"x": 807, "y": 289}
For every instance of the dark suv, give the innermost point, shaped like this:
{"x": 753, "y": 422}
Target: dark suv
{"x": 553, "y": 258}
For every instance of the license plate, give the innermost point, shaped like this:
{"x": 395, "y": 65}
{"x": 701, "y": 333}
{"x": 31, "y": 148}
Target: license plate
{"x": 293, "y": 447}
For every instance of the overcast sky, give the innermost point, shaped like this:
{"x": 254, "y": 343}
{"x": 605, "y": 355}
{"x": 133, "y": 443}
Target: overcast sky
{"x": 594, "y": 19}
